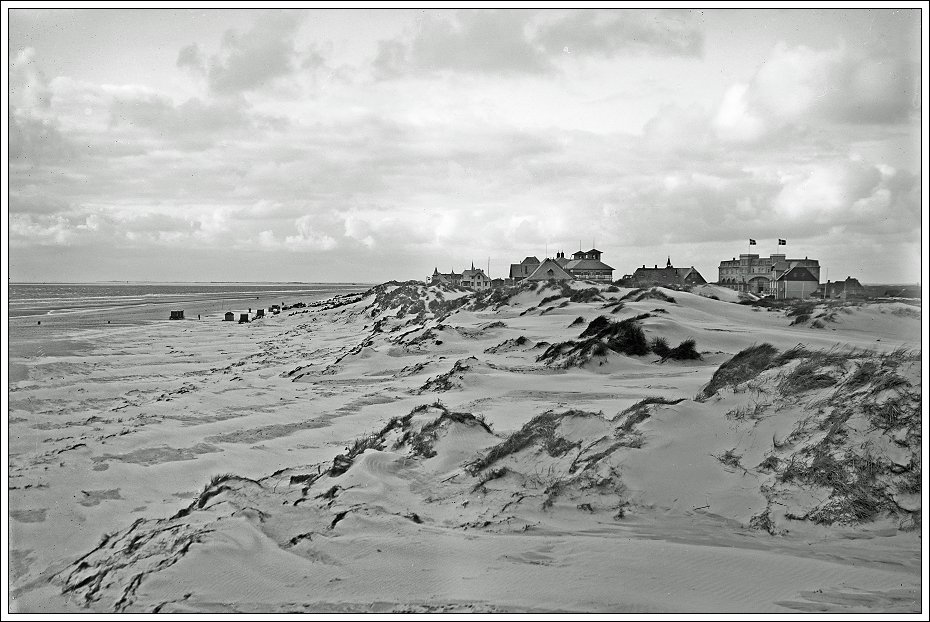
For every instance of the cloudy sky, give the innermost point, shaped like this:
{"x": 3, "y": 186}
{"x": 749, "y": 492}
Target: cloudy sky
{"x": 363, "y": 145}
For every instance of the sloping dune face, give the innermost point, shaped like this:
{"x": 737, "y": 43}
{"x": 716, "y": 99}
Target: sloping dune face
{"x": 544, "y": 448}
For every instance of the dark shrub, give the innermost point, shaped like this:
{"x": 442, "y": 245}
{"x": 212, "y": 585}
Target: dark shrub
{"x": 684, "y": 351}
{"x": 660, "y": 346}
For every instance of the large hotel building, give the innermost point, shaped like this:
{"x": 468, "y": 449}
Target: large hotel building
{"x": 775, "y": 275}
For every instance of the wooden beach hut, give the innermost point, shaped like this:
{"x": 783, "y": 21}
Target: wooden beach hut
{"x": 243, "y": 318}
{"x": 259, "y": 313}
{"x": 229, "y": 317}
{"x": 177, "y": 315}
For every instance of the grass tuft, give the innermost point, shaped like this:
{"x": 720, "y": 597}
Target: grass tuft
{"x": 540, "y": 430}
{"x": 745, "y": 365}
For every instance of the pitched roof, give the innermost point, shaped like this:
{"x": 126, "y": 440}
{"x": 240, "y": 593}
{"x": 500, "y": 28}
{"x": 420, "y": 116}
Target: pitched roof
{"x": 667, "y": 275}
{"x": 470, "y": 274}
{"x": 689, "y": 272}
{"x": 529, "y": 260}
{"x": 586, "y": 264}
{"x": 797, "y": 273}
{"x": 549, "y": 269}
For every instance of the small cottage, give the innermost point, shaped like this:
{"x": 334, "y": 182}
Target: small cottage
{"x": 475, "y": 278}
{"x": 798, "y": 282}
{"x": 850, "y": 288}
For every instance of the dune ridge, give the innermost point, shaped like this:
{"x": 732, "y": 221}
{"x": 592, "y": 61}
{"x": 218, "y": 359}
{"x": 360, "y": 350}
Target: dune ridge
{"x": 441, "y": 432}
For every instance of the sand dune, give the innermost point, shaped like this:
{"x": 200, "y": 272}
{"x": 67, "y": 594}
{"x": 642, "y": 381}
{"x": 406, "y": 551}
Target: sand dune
{"x": 427, "y": 450}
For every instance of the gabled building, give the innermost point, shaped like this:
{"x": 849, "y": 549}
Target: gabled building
{"x": 798, "y": 282}
{"x": 587, "y": 265}
{"x": 669, "y": 276}
{"x": 519, "y": 271}
{"x": 475, "y": 278}
{"x": 850, "y": 288}
{"x": 549, "y": 270}
{"x": 453, "y": 279}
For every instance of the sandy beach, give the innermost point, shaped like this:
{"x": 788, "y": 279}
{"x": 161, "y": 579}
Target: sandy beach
{"x": 425, "y": 449}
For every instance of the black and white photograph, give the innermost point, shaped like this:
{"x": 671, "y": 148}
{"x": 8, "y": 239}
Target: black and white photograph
{"x": 465, "y": 308}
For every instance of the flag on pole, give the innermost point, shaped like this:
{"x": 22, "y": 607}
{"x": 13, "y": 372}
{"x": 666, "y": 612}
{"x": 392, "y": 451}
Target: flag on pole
{"x": 751, "y": 242}
{"x": 782, "y": 242}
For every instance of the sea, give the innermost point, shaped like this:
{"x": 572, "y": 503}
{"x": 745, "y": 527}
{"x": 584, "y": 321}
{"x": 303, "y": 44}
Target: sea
{"x": 44, "y": 319}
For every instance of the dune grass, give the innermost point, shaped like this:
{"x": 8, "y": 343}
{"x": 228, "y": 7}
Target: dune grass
{"x": 540, "y": 430}
{"x": 745, "y": 365}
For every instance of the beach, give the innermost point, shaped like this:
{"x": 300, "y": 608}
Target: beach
{"x": 427, "y": 449}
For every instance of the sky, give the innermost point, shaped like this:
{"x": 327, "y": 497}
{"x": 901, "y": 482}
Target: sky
{"x": 365, "y": 145}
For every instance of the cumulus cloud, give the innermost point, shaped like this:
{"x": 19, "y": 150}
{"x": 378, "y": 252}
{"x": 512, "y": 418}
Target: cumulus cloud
{"x": 472, "y": 41}
{"x": 309, "y": 236}
{"x": 41, "y": 230}
{"x": 31, "y": 199}
{"x": 834, "y": 84}
{"x": 512, "y": 42}
{"x": 802, "y": 86}
{"x": 385, "y": 228}
{"x": 736, "y": 121}
{"x": 377, "y": 178}
{"x": 191, "y": 57}
{"x": 679, "y": 129}
{"x": 34, "y": 133}
{"x": 28, "y": 85}
{"x": 611, "y": 32}
{"x": 194, "y": 123}
{"x": 248, "y": 60}
{"x": 37, "y": 140}
{"x": 849, "y": 194}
